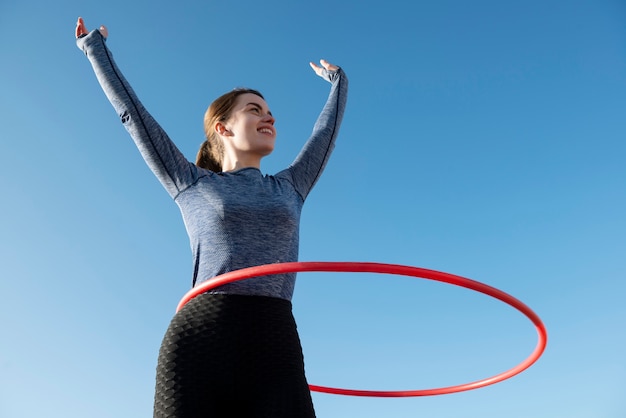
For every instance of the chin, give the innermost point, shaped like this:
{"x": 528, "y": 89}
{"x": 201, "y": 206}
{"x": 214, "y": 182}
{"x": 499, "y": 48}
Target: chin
{"x": 267, "y": 150}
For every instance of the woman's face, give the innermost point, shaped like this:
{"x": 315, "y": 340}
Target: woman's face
{"x": 250, "y": 127}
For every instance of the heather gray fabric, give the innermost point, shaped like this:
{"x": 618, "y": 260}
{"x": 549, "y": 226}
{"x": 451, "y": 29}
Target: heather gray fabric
{"x": 234, "y": 219}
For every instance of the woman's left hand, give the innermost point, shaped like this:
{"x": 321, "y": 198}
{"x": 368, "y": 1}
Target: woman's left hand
{"x": 81, "y": 29}
{"x": 325, "y": 65}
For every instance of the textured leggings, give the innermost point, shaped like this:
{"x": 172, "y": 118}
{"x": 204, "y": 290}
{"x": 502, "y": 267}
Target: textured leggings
{"x": 232, "y": 356}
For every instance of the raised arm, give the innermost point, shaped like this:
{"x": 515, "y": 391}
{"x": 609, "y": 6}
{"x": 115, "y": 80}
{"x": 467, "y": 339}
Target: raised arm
{"x": 310, "y": 162}
{"x": 172, "y": 169}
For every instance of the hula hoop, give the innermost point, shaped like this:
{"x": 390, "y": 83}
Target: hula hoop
{"x": 400, "y": 270}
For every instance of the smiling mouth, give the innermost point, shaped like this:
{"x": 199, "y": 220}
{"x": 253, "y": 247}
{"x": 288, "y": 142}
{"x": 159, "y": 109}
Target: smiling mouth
{"x": 266, "y": 131}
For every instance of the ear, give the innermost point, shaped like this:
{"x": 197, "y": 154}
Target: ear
{"x": 221, "y": 129}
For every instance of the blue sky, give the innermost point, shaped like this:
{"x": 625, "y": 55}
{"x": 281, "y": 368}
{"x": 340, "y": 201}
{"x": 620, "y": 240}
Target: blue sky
{"x": 483, "y": 139}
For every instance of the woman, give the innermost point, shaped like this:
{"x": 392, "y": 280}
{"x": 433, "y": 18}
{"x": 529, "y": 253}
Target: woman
{"x": 233, "y": 351}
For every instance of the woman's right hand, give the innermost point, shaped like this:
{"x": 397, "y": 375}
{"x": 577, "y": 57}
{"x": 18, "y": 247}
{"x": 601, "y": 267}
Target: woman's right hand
{"x": 81, "y": 29}
{"x": 325, "y": 65}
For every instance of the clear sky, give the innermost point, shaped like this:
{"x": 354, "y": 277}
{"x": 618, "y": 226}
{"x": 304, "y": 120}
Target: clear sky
{"x": 482, "y": 138}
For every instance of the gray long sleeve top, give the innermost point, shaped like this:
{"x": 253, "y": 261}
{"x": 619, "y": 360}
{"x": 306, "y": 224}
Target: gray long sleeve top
{"x": 234, "y": 219}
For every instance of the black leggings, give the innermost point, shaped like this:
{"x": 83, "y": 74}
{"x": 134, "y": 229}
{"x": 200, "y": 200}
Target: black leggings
{"x": 232, "y": 356}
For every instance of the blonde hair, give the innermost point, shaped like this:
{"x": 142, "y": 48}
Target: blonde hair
{"x": 211, "y": 152}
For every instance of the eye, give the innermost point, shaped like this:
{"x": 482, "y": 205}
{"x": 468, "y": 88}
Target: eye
{"x": 255, "y": 110}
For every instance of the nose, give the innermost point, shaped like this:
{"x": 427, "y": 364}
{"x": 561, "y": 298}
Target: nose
{"x": 268, "y": 118}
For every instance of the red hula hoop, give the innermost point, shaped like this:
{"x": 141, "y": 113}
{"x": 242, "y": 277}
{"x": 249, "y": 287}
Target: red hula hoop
{"x": 393, "y": 269}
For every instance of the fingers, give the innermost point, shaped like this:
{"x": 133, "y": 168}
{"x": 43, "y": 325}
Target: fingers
{"x": 325, "y": 65}
{"x": 81, "y": 29}
{"x": 329, "y": 66}
{"x": 318, "y": 70}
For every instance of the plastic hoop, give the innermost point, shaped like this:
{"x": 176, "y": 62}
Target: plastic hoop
{"x": 400, "y": 270}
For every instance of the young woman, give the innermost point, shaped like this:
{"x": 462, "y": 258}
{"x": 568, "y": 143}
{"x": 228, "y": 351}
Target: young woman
{"x": 233, "y": 351}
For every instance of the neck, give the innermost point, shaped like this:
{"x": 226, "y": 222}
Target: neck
{"x": 233, "y": 163}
